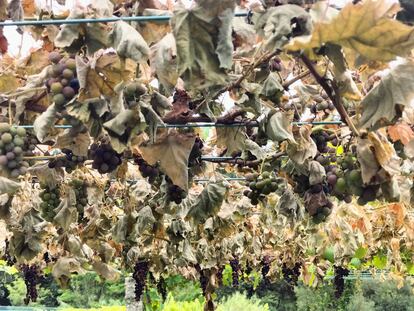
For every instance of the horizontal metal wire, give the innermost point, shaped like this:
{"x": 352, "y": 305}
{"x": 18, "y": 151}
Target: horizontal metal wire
{"x": 212, "y": 124}
{"x": 160, "y": 18}
{"x": 209, "y": 124}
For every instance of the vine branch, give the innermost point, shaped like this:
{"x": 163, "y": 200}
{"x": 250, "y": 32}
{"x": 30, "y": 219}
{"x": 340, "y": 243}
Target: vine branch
{"x": 332, "y": 92}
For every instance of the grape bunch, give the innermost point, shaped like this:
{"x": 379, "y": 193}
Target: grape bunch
{"x": 70, "y": 162}
{"x": 31, "y": 275}
{"x": 196, "y": 153}
{"x": 146, "y": 170}
{"x": 62, "y": 81}
{"x": 162, "y": 288}
{"x": 174, "y": 193}
{"x": 80, "y": 189}
{"x": 339, "y": 280}
{"x": 321, "y": 139}
{"x": 50, "y": 201}
{"x": 260, "y": 186}
{"x": 13, "y": 146}
{"x": 291, "y": 275}
{"x": 105, "y": 158}
{"x": 347, "y": 181}
{"x": 235, "y": 266}
{"x": 141, "y": 269}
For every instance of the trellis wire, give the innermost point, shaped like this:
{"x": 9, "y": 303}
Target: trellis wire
{"x": 212, "y": 124}
{"x": 150, "y": 18}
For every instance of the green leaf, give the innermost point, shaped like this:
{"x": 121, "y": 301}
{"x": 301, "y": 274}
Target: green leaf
{"x": 379, "y": 262}
{"x": 208, "y": 203}
{"x": 204, "y": 43}
{"x": 385, "y": 102}
{"x": 361, "y": 252}
{"x": 278, "y": 24}
{"x": 129, "y": 43}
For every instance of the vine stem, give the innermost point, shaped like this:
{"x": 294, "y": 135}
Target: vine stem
{"x": 332, "y": 93}
{"x": 294, "y": 79}
{"x": 261, "y": 60}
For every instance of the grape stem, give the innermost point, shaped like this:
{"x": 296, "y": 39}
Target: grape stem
{"x": 288, "y": 83}
{"x": 264, "y": 58}
{"x": 332, "y": 92}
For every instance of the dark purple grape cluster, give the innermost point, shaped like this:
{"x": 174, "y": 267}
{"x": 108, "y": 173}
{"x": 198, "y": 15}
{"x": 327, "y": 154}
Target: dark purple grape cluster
{"x": 14, "y": 145}
{"x": 265, "y": 268}
{"x": 141, "y": 269}
{"x": 321, "y": 139}
{"x": 196, "y": 153}
{"x": 70, "y": 162}
{"x": 105, "y": 158}
{"x": 62, "y": 82}
{"x": 202, "y": 279}
{"x": 174, "y": 193}
{"x": 339, "y": 280}
{"x": 9, "y": 258}
{"x": 260, "y": 186}
{"x": 291, "y": 275}
{"x": 31, "y": 276}
{"x": 146, "y": 170}
{"x": 162, "y": 288}
{"x": 235, "y": 266}
{"x": 219, "y": 275}
{"x": 50, "y": 201}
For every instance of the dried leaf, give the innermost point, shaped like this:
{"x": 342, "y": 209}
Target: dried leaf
{"x": 101, "y": 76}
{"x": 366, "y": 27}
{"x": 79, "y": 143}
{"x": 171, "y": 150}
{"x": 303, "y": 147}
{"x": 8, "y": 82}
{"x": 8, "y": 186}
{"x": 203, "y": 40}
{"x": 385, "y": 153}
{"x": 145, "y": 220}
{"x": 128, "y": 42}
{"x": 106, "y": 271}
{"x": 164, "y": 62}
{"x": 278, "y": 24}
{"x": 231, "y": 138}
{"x": 382, "y": 104}
{"x": 44, "y": 123}
{"x": 208, "y": 203}
{"x": 279, "y": 126}
{"x": 401, "y": 132}
{"x": 368, "y": 162}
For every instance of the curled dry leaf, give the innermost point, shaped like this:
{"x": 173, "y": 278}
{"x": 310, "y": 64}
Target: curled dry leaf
{"x": 401, "y": 132}
{"x": 367, "y": 28}
{"x": 171, "y": 150}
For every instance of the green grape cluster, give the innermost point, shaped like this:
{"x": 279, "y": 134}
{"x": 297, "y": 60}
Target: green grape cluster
{"x": 349, "y": 182}
{"x": 13, "y": 146}
{"x": 62, "y": 82}
{"x": 50, "y": 201}
{"x": 80, "y": 188}
{"x": 260, "y": 186}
